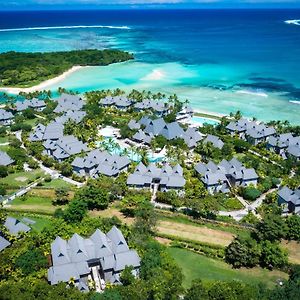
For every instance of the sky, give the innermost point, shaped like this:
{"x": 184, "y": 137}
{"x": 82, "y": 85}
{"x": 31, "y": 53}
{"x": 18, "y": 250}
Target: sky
{"x": 135, "y": 4}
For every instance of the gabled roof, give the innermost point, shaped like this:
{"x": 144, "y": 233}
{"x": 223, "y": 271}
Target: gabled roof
{"x": 5, "y": 115}
{"x": 14, "y": 226}
{"x": 118, "y": 243}
{"x": 4, "y": 243}
{"x": 216, "y": 141}
{"x": 5, "y": 159}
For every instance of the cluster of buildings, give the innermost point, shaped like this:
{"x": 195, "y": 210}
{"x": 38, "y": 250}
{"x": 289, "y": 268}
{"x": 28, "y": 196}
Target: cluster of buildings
{"x": 158, "y": 127}
{"x": 255, "y": 132}
{"x": 94, "y": 261}
{"x": 99, "y": 162}
{"x": 14, "y": 227}
{"x": 5, "y": 159}
{"x": 165, "y": 178}
{"x": 221, "y": 177}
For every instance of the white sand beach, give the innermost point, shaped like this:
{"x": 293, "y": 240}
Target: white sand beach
{"x": 43, "y": 85}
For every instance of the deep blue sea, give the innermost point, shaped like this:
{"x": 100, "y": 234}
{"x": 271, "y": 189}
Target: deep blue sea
{"x": 221, "y": 60}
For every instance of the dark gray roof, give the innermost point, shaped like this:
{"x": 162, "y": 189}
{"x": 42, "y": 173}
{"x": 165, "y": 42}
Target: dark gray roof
{"x": 216, "y": 141}
{"x": 5, "y": 159}
{"x": 14, "y": 226}
{"x": 68, "y": 102}
{"x": 4, "y": 243}
{"x": 289, "y": 195}
{"x": 5, "y": 115}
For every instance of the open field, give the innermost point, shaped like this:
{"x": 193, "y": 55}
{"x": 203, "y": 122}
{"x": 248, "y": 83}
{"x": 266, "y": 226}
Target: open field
{"x": 57, "y": 183}
{"x": 198, "y": 266}
{"x": 293, "y": 248}
{"x": 21, "y": 179}
{"x": 195, "y": 233}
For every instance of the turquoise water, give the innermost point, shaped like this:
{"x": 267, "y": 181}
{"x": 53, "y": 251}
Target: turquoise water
{"x": 222, "y": 61}
{"x": 201, "y": 121}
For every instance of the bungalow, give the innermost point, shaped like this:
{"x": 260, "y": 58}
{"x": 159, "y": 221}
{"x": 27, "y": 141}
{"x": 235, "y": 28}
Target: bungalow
{"x": 34, "y": 103}
{"x": 119, "y": 102}
{"x": 214, "y": 140}
{"x": 6, "y": 117}
{"x": 100, "y": 162}
{"x": 100, "y": 258}
{"x": 159, "y": 108}
{"x": 166, "y": 178}
{"x": 4, "y": 243}
{"x": 252, "y": 131}
{"x": 68, "y": 102}
{"x": 290, "y": 198}
{"x": 73, "y": 115}
{"x": 284, "y": 144}
{"x": 53, "y": 131}
{"x": 14, "y": 226}
{"x": 219, "y": 178}
{"x": 64, "y": 147}
{"x": 5, "y": 159}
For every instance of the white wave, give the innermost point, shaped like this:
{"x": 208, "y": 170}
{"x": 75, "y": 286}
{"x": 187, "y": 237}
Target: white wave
{"x": 293, "y": 22}
{"x": 295, "y": 102}
{"x": 64, "y": 27}
{"x": 154, "y": 75}
{"x": 253, "y": 93}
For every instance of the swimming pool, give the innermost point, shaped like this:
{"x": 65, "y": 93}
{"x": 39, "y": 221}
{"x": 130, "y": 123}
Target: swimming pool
{"x": 202, "y": 120}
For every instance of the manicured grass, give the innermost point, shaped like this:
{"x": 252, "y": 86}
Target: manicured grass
{"x": 57, "y": 183}
{"x": 41, "y": 221}
{"x": 195, "y": 266}
{"x": 32, "y": 200}
{"x": 198, "y": 114}
{"x": 3, "y": 139}
{"x": 4, "y": 148}
{"x": 20, "y": 179}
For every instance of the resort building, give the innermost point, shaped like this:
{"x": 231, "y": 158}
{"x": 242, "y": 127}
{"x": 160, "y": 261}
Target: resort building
{"x": 214, "y": 140}
{"x": 221, "y": 177}
{"x": 4, "y": 243}
{"x": 5, "y": 159}
{"x": 72, "y": 115}
{"x": 159, "y": 108}
{"x": 99, "y": 162}
{"x": 96, "y": 260}
{"x": 290, "y": 199}
{"x": 6, "y": 117}
{"x": 252, "y": 131}
{"x": 119, "y": 102}
{"x": 14, "y": 226}
{"x": 64, "y": 147}
{"x": 67, "y": 102}
{"x": 164, "y": 178}
{"x": 285, "y": 144}
{"x": 53, "y": 131}
{"x": 34, "y": 103}
{"x": 159, "y": 127}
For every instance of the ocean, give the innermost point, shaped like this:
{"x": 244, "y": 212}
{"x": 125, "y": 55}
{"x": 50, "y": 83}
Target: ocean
{"x": 220, "y": 60}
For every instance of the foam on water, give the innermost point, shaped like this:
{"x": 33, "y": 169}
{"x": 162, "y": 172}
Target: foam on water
{"x": 253, "y": 93}
{"x": 293, "y": 22}
{"x": 295, "y": 102}
{"x": 64, "y": 27}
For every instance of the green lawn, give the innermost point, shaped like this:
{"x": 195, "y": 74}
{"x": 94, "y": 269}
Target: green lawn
{"x": 195, "y": 266}
{"x": 40, "y": 221}
{"x": 3, "y": 139}
{"x": 57, "y": 183}
{"x": 21, "y": 179}
{"x": 4, "y": 148}
{"x": 32, "y": 200}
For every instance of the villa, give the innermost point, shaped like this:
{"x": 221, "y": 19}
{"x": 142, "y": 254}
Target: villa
{"x": 100, "y": 162}
{"x": 67, "y": 102}
{"x": 4, "y": 243}
{"x": 73, "y": 115}
{"x": 165, "y": 178}
{"x": 6, "y": 117}
{"x": 252, "y": 131}
{"x": 290, "y": 198}
{"x": 15, "y": 227}
{"x": 160, "y": 108}
{"x": 53, "y": 131}
{"x": 159, "y": 127}
{"x": 119, "y": 102}
{"x": 285, "y": 144}
{"x": 214, "y": 140}
{"x": 221, "y": 177}
{"x": 64, "y": 147}
{"x": 5, "y": 159}
{"x": 99, "y": 259}
{"x": 34, "y": 103}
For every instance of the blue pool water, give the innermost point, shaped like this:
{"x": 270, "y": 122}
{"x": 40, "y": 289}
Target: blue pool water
{"x": 201, "y": 120}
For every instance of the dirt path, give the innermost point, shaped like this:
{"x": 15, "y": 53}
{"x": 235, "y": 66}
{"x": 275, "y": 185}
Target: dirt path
{"x": 196, "y": 233}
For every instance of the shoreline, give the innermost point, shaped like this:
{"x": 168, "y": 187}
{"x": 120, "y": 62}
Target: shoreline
{"x": 43, "y": 85}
